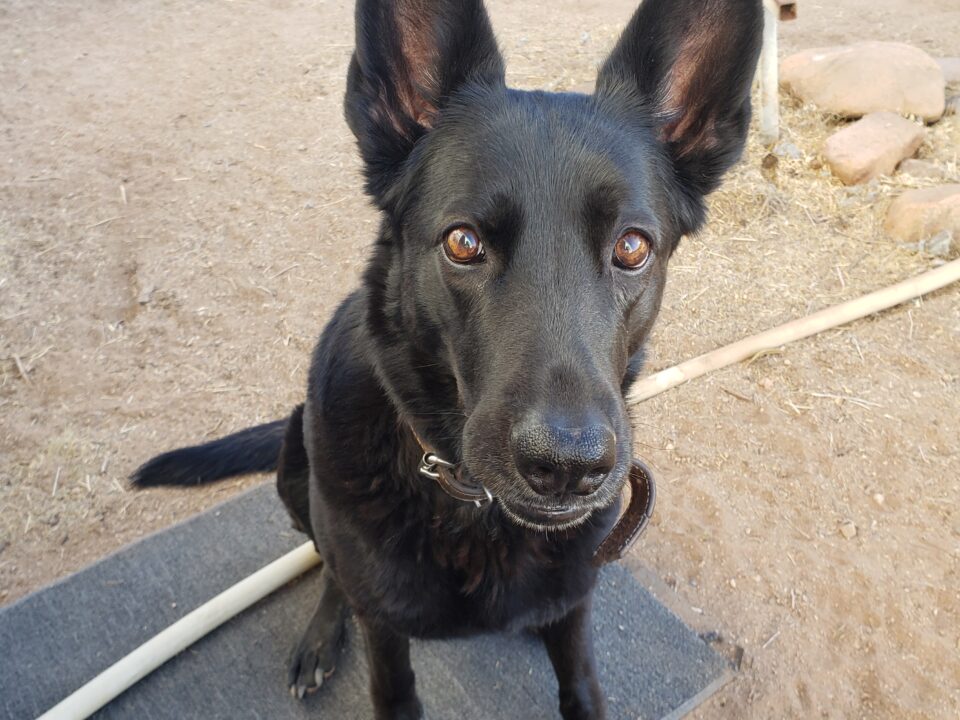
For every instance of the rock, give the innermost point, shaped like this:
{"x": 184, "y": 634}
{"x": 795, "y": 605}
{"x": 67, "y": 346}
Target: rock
{"x": 855, "y": 80}
{"x": 146, "y": 294}
{"x": 921, "y": 169}
{"x": 768, "y": 167}
{"x": 939, "y": 245}
{"x": 788, "y": 150}
{"x": 923, "y": 214}
{"x": 848, "y": 529}
{"x": 953, "y": 106}
{"x": 872, "y": 147}
{"x": 950, "y": 67}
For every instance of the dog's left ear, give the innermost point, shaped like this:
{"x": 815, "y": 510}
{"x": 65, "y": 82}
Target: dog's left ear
{"x": 410, "y": 57}
{"x": 693, "y": 62}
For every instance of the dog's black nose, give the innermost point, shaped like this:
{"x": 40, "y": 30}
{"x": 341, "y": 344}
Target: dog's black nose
{"x": 558, "y": 460}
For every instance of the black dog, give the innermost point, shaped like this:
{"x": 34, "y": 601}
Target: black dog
{"x": 521, "y": 259}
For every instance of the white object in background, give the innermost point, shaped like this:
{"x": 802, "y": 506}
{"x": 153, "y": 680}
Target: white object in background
{"x": 183, "y": 633}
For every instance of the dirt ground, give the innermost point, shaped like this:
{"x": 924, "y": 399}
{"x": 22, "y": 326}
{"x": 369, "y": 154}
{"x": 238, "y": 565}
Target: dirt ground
{"x": 180, "y": 212}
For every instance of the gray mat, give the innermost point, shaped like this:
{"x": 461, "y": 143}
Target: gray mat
{"x": 51, "y": 642}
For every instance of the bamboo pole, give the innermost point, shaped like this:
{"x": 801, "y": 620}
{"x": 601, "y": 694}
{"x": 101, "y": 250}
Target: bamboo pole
{"x": 183, "y": 633}
{"x": 795, "y": 330}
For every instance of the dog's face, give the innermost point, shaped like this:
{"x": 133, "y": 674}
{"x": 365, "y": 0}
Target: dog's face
{"x": 526, "y": 236}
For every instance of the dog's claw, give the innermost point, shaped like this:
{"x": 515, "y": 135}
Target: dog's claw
{"x": 299, "y": 690}
{"x": 309, "y": 670}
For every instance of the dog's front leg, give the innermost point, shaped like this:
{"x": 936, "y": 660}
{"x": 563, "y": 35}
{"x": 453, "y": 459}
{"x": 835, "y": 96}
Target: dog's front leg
{"x": 569, "y": 643}
{"x": 392, "y": 685}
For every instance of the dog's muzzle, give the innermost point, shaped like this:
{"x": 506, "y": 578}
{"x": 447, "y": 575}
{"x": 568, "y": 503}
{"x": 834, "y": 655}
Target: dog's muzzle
{"x": 629, "y": 528}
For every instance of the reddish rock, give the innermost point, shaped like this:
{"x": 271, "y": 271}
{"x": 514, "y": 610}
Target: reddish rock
{"x": 872, "y": 147}
{"x": 859, "y": 79}
{"x": 921, "y": 214}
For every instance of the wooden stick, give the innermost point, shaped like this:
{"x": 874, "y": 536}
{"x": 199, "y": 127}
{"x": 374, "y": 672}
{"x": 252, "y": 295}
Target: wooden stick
{"x": 770, "y": 75}
{"x": 183, "y": 633}
{"x": 795, "y": 330}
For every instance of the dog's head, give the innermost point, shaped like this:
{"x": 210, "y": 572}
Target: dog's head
{"x": 525, "y": 235}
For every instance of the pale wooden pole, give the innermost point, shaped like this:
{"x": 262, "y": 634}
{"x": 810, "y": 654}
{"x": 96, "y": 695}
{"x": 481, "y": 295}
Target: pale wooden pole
{"x": 183, "y": 633}
{"x": 795, "y": 330}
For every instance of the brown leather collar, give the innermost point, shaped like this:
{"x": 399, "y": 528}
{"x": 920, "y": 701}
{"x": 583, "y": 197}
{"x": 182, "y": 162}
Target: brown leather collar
{"x": 630, "y": 526}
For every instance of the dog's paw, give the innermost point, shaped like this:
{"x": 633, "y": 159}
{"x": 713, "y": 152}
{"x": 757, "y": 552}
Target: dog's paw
{"x": 310, "y": 666}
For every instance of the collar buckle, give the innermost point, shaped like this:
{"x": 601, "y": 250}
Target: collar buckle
{"x": 430, "y": 466}
{"x": 447, "y": 475}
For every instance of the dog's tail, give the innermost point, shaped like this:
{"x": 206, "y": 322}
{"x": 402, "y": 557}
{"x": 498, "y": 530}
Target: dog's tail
{"x": 255, "y": 449}
{"x": 274, "y": 446}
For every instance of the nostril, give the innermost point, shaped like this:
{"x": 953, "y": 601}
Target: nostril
{"x": 541, "y": 478}
{"x": 592, "y": 481}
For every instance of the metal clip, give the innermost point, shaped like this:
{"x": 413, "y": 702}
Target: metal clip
{"x": 445, "y": 474}
{"x": 430, "y": 463}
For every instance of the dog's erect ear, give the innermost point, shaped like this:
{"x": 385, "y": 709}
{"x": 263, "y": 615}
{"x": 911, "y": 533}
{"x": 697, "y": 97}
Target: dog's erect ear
{"x": 693, "y": 61}
{"x": 410, "y": 56}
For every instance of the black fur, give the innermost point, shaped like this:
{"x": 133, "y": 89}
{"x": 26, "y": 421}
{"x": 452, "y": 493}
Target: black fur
{"x": 515, "y": 366}
{"x": 252, "y": 450}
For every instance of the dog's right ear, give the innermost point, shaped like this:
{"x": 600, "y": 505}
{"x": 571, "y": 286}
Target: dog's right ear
{"x": 410, "y": 56}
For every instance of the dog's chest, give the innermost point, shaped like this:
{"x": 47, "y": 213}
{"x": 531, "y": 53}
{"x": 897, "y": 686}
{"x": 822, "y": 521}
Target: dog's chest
{"x": 437, "y": 582}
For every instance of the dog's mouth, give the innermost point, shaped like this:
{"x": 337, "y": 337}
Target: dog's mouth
{"x": 559, "y": 517}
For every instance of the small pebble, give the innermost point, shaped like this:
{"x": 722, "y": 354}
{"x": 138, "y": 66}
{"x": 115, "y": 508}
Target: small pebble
{"x": 789, "y": 150}
{"x": 879, "y": 499}
{"x": 939, "y": 244}
{"x": 146, "y": 294}
{"x": 848, "y": 529}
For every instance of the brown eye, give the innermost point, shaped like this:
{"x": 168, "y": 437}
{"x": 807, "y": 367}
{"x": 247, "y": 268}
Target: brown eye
{"x": 462, "y": 245}
{"x": 632, "y": 250}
